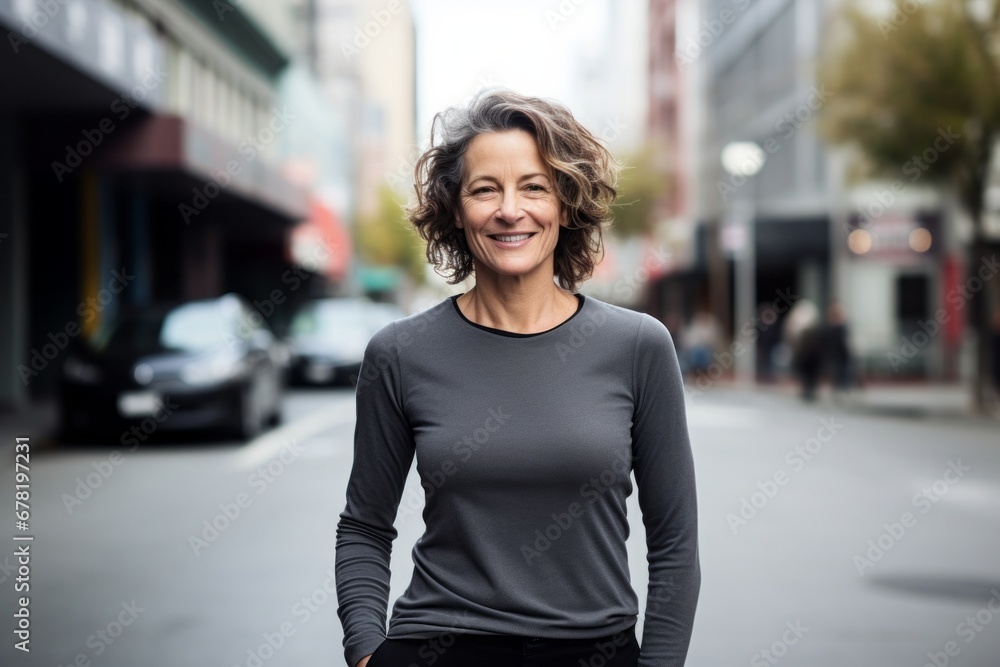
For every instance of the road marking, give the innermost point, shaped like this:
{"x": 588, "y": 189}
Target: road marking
{"x": 270, "y": 444}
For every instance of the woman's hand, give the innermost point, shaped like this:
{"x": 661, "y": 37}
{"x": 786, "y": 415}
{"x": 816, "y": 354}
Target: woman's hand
{"x": 364, "y": 660}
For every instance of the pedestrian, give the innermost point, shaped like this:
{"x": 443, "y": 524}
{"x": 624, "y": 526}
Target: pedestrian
{"x": 701, "y": 340}
{"x": 836, "y": 348}
{"x": 804, "y": 337}
{"x": 526, "y": 405}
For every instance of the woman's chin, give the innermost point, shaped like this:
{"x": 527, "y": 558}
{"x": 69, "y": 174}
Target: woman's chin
{"x": 513, "y": 268}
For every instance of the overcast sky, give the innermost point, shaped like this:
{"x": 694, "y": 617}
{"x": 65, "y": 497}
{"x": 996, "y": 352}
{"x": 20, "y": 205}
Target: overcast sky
{"x": 530, "y": 46}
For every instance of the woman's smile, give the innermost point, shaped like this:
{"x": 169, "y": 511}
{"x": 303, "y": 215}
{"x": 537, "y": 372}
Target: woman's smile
{"x": 512, "y": 240}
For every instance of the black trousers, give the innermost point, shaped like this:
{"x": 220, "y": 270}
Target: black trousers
{"x": 466, "y": 650}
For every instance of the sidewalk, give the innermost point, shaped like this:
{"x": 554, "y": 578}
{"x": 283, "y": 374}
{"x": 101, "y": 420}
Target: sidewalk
{"x": 929, "y": 400}
{"x": 917, "y": 400}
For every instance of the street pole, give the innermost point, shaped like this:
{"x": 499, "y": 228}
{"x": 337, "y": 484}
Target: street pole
{"x": 744, "y": 159}
{"x": 746, "y": 296}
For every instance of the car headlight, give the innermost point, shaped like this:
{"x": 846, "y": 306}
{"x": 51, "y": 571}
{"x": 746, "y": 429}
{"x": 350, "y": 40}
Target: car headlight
{"x": 212, "y": 371}
{"x": 81, "y": 371}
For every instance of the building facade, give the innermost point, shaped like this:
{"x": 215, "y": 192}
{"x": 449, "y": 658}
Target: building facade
{"x": 140, "y": 161}
{"x": 782, "y": 219}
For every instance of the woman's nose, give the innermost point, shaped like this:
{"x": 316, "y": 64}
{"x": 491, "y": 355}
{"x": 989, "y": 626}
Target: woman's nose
{"x": 509, "y": 206}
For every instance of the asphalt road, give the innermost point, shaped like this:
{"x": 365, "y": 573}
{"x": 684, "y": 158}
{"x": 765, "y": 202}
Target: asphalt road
{"x": 827, "y": 539}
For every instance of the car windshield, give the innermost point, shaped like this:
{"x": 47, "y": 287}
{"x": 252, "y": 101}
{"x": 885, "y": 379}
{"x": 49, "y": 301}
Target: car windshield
{"x": 326, "y": 317}
{"x": 192, "y": 327}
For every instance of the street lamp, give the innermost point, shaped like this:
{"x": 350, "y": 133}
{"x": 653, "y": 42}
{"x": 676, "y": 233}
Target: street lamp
{"x": 743, "y": 160}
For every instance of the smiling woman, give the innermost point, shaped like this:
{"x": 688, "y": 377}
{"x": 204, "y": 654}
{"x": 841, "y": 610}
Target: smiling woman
{"x": 527, "y": 407}
{"x": 543, "y": 150}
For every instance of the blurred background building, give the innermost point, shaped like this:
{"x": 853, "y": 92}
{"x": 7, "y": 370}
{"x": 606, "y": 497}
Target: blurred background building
{"x": 175, "y": 142}
{"x": 214, "y": 146}
{"x": 734, "y": 71}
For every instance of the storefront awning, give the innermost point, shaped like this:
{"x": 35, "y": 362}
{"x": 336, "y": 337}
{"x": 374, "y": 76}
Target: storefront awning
{"x": 176, "y": 151}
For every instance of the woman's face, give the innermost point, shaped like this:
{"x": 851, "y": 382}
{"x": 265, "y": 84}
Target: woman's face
{"x": 508, "y": 205}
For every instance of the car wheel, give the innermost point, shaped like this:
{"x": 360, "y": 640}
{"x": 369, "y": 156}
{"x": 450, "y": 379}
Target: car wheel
{"x": 249, "y": 421}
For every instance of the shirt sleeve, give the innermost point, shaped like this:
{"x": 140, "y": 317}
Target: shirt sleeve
{"x": 665, "y": 478}
{"x": 383, "y": 452}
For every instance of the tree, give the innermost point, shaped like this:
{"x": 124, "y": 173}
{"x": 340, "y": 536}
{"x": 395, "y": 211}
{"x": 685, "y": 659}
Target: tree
{"x": 901, "y": 81}
{"x": 638, "y": 189}
{"x": 388, "y": 239}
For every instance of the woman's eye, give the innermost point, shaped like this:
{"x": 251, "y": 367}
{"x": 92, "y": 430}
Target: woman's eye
{"x": 482, "y": 190}
{"x": 534, "y": 187}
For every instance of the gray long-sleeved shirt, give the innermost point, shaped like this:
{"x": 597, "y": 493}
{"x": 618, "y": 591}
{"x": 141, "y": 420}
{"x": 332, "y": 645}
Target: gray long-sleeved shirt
{"x": 524, "y": 444}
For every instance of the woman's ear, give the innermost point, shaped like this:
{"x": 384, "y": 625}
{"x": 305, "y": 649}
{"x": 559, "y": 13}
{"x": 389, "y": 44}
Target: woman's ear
{"x": 458, "y": 218}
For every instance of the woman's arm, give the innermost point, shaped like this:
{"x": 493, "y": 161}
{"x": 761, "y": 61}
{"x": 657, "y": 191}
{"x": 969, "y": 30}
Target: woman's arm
{"x": 664, "y": 473}
{"x": 383, "y": 452}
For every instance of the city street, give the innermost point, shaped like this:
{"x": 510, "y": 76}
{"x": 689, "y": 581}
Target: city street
{"x": 827, "y": 539}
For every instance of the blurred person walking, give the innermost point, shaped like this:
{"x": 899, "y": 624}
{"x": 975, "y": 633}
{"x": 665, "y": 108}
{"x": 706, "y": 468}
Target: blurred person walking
{"x": 700, "y": 340}
{"x": 526, "y": 406}
{"x": 803, "y": 335}
{"x": 837, "y": 350}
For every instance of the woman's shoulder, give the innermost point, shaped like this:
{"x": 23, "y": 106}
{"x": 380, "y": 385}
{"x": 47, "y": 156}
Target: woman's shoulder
{"x": 636, "y": 323}
{"x": 405, "y": 331}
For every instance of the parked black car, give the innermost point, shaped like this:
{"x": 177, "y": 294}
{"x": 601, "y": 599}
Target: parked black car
{"x": 205, "y": 364}
{"x": 327, "y": 338}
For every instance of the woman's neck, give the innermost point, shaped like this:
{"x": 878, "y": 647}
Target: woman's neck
{"x": 521, "y": 308}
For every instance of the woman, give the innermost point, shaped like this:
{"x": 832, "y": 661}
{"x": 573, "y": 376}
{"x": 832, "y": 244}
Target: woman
{"x": 526, "y": 405}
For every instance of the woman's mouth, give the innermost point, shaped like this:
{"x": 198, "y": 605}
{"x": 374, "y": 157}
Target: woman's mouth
{"x": 511, "y": 240}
